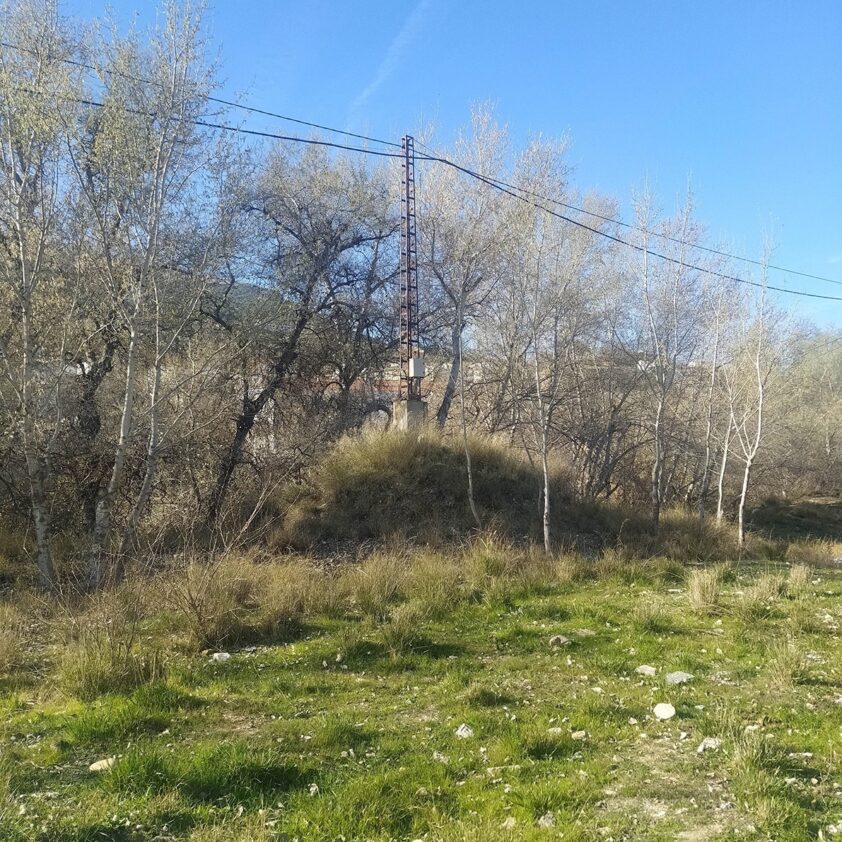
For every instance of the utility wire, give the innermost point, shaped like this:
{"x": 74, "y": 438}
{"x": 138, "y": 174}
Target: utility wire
{"x": 633, "y": 227}
{"x": 490, "y": 183}
{"x": 497, "y": 181}
{"x": 219, "y": 100}
{"x": 635, "y": 246}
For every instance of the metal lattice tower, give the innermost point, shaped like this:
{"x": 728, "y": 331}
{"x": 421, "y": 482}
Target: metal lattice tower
{"x": 410, "y": 387}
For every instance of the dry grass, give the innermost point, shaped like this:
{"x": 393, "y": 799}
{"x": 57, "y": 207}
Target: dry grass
{"x": 11, "y": 637}
{"x": 814, "y": 552}
{"x": 758, "y": 600}
{"x": 403, "y": 630}
{"x": 785, "y": 663}
{"x": 103, "y": 651}
{"x": 379, "y": 582}
{"x": 704, "y": 588}
{"x": 800, "y": 580}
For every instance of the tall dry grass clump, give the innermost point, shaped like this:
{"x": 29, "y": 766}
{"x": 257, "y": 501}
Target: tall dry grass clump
{"x": 11, "y": 636}
{"x": 214, "y": 598}
{"x": 103, "y": 647}
{"x": 379, "y": 582}
{"x": 800, "y": 580}
{"x": 704, "y": 588}
{"x": 813, "y": 552}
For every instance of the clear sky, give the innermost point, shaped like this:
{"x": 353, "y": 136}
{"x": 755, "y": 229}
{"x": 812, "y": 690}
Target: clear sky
{"x": 742, "y": 97}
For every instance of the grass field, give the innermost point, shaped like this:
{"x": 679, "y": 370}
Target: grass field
{"x": 351, "y": 728}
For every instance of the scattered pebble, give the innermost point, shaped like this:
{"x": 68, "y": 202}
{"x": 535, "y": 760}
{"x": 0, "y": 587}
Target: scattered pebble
{"x": 645, "y": 669}
{"x": 313, "y": 790}
{"x": 559, "y": 640}
{"x": 103, "y": 765}
{"x": 709, "y": 744}
{"x": 221, "y": 657}
{"x": 678, "y": 677}
{"x": 509, "y": 823}
{"x": 664, "y": 710}
{"x": 464, "y": 731}
{"x": 547, "y": 820}
{"x": 579, "y": 735}
{"x": 440, "y": 758}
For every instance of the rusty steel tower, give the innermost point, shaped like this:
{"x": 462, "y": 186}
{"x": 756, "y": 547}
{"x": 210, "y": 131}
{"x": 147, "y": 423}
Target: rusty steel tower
{"x": 410, "y": 410}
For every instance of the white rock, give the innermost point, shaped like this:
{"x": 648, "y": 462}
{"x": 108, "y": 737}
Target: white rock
{"x": 221, "y": 657}
{"x": 632, "y": 721}
{"x": 509, "y": 823}
{"x": 547, "y": 820}
{"x": 313, "y": 789}
{"x": 678, "y": 677}
{"x": 103, "y": 765}
{"x": 464, "y": 731}
{"x": 554, "y": 730}
{"x": 645, "y": 669}
{"x": 559, "y": 640}
{"x": 440, "y": 758}
{"x": 579, "y": 735}
{"x": 709, "y": 744}
{"x": 664, "y": 710}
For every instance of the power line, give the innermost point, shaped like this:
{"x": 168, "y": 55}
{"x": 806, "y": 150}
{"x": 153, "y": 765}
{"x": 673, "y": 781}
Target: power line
{"x": 490, "y": 183}
{"x": 635, "y": 246}
{"x": 490, "y": 179}
{"x": 218, "y": 100}
{"x": 633, "y": 227}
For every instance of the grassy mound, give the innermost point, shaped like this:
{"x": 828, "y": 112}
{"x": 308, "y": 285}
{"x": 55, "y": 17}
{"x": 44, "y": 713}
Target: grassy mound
{"x": 378, "y": 485}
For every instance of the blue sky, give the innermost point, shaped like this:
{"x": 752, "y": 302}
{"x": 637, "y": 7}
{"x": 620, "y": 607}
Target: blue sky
{"x": 742, "y": 97}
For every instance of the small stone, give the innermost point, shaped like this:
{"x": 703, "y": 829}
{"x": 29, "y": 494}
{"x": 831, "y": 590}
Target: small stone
{"x": 750, "y": 729}
{"x": 632, "y": 721}
{"x": 664, "y": 710}
{"x": 509, "y": 823}
{"x": 678, "y": 677}
{"x": 559, "y": 640}
{"x": 584, "y": 632}
{"x": 547, "y": 820}
{"x": 645, "y": 669}
{"x": 579, "y": 735}
{"x": 464, "y": 731}
{"x": 221, "y": 657}
{"x": 598, "y": 690}
{"x": 554, "y": 730}
{"x": 313, "y": 790}
{"x": 440, "y": 758}
{"x": 709, "y": 744}
{"x": 103, "y": 765}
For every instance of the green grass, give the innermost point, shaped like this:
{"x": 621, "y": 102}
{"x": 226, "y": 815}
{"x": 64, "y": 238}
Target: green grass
{"x": 348, "y": 732}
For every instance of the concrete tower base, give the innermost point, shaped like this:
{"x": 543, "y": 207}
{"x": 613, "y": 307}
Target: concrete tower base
{"x": 409, "y": 414}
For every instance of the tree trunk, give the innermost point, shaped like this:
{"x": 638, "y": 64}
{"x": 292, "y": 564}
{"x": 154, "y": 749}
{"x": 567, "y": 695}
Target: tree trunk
{"x": 105, "y": 505}
{"x": 148, "y": 478}
{"x": 722, "y": 466}
{"x": 455, "y": 374}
